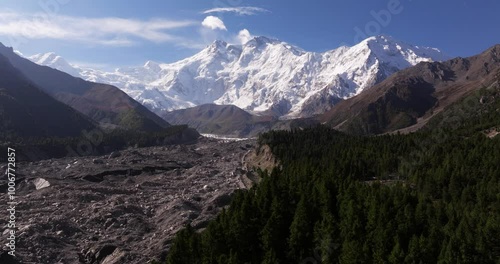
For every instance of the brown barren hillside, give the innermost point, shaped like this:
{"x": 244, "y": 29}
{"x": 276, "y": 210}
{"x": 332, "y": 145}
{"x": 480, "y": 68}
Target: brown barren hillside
{"x": 27, "y": 111}
{"x": 410, "y": 97}
{"x": 102, "y": 103}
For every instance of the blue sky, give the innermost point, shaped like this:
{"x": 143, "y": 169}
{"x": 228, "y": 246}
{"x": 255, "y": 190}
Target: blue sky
{"x": 121, "y": 33}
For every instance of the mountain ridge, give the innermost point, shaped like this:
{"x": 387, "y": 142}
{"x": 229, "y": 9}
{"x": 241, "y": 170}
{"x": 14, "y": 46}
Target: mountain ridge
{"x": 28, "y": 112}
{"x": 407, "y": 100}
{"x": 103, "y": 103}
{"x": 264, "y": 74}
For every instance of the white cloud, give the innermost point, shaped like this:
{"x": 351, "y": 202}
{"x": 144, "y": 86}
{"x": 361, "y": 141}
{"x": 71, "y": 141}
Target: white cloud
{"x": 214, "y": 23}
{"x": 244, "y": 36}
{"x": 110, "y": 31}
{"x": 242, "y": 10}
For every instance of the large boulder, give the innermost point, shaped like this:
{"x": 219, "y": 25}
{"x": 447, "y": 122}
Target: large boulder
{"x": 41, "y": 183}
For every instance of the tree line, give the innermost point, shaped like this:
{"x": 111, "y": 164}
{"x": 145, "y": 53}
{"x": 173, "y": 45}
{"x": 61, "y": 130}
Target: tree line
{"x": 427, "y": 197}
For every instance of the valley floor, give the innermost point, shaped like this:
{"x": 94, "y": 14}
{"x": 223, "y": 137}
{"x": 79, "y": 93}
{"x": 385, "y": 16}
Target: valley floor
{"x": 124, "y": 209}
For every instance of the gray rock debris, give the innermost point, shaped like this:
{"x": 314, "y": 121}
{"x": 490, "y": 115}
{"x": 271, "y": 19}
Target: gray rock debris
{"x": 116, "y": 258}
{"x": 97, "y": 161}
{"x": 126, "y": 211}
{"x": 114, "y": 155}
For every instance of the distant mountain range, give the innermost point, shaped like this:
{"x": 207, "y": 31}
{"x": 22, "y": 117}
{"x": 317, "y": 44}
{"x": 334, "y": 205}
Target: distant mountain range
{"x": 264, "y": 76}
{"x": 46, "y": 113}
{"x": 103, "y": 103}
{"x": 405, "y": 102}
{"x": 378, "y": 86}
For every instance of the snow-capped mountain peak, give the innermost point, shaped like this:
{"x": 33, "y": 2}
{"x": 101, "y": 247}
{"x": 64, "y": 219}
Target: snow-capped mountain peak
{"x": 385, "y": 47}
{"x": 264, "y": 74}
{"x": 48, "y": 58}
{"x": 55, "y": 61}
{"x": 219, "y": 43}
{"x": 152, "y": 66}
{"x": 260, "y": 41}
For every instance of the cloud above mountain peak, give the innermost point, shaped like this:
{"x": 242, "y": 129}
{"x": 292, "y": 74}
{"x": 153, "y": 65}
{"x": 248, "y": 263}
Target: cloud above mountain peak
{"x": 214, "y": 23}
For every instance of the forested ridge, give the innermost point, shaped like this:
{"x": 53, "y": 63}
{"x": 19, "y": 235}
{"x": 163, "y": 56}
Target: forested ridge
{"x": 95, "y": 142}
{"x": 427, "y": 197}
